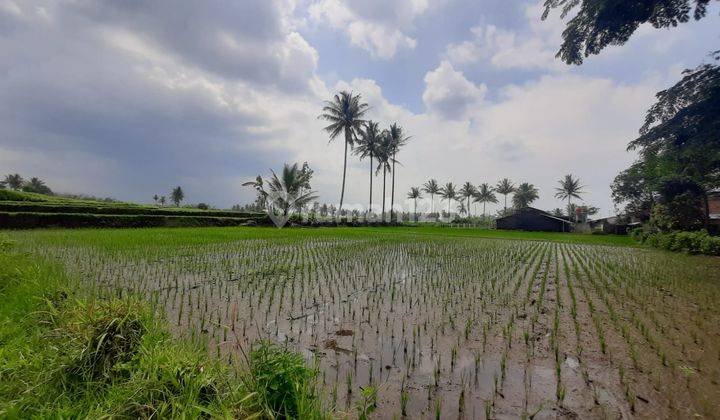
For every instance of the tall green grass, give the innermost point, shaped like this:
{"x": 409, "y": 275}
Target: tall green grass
{"x": 64, "y": 355}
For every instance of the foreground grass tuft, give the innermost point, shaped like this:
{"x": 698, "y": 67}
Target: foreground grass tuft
{"x": 62, "y": 355}
{"x": 282, "y": 383}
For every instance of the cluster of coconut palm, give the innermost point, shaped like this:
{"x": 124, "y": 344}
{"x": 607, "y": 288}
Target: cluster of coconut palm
{"x": 366, "y": 139}
{"x": 484, "y": 193}
{"x": 523, "y": 194}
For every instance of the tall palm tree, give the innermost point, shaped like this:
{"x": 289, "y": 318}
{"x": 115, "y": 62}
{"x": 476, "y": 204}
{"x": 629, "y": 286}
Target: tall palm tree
{"x": 467, "y": 191}
{"x": 505, "y": 187}
{"x": 448, "y": 193}
{"x": 367, "y": 146}
{"x": 344, "y": 112}
{"x": 385, "y": 159}
{"x": 162, "y": 201}
{"x": 155, "y": 198}
{"x": 431, "y": 187}
{"x": 525, "y": 194}
{"x": 14, "y": 181}
{"x": 414, "y": 194}
{"x": 569, "y": 188}
{"x": 485, "y": 194}
{"x": 398, "y": 141}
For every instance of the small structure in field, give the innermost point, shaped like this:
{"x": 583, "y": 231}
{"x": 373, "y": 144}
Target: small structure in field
{"x": 613, "y": 224}
{"x": 533, "y": 219}
{"x": 714, "y": 205}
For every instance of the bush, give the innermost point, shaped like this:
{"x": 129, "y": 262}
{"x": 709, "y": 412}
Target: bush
{"x": 699, "y": 242}
{"x": 78, "y": 220}
{"x": 9, "y": 195}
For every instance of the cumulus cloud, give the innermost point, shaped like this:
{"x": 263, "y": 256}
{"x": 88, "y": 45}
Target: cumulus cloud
{"x": 249, "y": 40}
{"x": 449, "y": 93}
{"x": 103, "y": 100}
{"x": 532, "y": 47}
{"x": 376, "y": 26}
{"x": 533, "y": 132}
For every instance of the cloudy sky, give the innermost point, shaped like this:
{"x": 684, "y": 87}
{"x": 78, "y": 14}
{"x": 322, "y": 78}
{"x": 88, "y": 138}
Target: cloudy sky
{"x": 130, "y": 98}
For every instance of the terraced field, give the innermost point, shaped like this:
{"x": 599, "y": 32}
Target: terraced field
{"x": 21, "y": 210}
{"x": 458, "y": 326}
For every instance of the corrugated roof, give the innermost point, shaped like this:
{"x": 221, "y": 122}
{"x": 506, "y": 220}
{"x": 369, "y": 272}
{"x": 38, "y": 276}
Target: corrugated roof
{"x": 540, "y": 212}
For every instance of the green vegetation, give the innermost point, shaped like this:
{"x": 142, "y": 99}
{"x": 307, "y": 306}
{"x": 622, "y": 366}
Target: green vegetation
{"x": 72, "y": 206}
{"x": 690, "y": 242}
{"x": 23, "y": 210}
{"x": 10, "y": 195}
{"x": 598, "y": 24}
{"x": 669, "y": 186}
{"x": 74, "y": 220}
{"x": 289, "y": 191}
{"x": 524, "y": 195}
{"x": 122, "y": 238}
{"x": 282, "y": 383}
{"x": 396, "y": 320}
{"x": 444, "y": 231}
{"x": 64, "y": 353}
{"x": 17, "y": 182}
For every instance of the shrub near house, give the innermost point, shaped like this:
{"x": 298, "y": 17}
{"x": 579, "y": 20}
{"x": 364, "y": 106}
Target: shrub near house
{"x": 691, "y": 242}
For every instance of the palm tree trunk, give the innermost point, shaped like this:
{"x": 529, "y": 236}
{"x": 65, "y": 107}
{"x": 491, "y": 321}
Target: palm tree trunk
{"x": 342, "y": 192}
{"x": 483, "y": 209}
{"x": 392, "y": 192}
{"x": 432, "y": 203}
{"x": 416, "y": 210}
{"x": 383, "y": 209}
{"x": 468, "y": 206}
{"x": 369, "y": 212}
{"x": 505, "y": 211}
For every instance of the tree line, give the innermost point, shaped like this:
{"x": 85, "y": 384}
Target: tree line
{"x": 678, "y": 165}
{"x": 523, "y": 195}
{"x": 17, "y": 183}
{"x": 177, "y": 195}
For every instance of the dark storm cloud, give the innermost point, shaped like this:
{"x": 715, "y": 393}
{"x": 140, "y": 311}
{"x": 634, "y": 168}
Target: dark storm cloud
{"x": 178, "y": 109}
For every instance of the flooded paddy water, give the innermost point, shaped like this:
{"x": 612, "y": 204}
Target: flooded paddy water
{"x": 460, "y": 327}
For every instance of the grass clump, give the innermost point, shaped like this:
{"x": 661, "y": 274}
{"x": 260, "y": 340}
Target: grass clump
{"x": 63, "y": 355}
{"x": 281, "y": 384}
{"x": 106, "y": 334}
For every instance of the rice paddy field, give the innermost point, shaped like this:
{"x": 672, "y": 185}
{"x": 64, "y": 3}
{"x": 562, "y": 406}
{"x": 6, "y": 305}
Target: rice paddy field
{"x": 439, "y": 322}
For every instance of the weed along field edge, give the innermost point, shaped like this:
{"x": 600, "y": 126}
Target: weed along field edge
{"x": 409, "y": 321}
